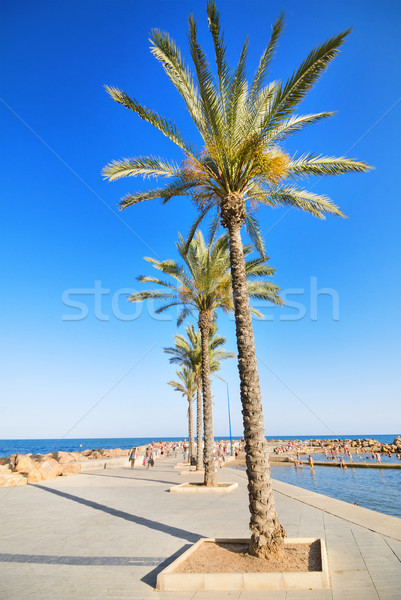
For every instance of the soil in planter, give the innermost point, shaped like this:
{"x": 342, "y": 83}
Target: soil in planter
{"x": 196, "y": 484}
{"x": 214, "y": 557}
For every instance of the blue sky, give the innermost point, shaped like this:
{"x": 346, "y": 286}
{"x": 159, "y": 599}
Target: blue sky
{"x": 61, "y": 230}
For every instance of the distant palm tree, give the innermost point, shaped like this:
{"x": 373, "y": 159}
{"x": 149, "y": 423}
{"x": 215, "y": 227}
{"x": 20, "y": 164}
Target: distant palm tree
{"x": 239, "y": 167}
{"x": 187, "y": 387}
{"x": 203, "y": 286}
{"x": 188, "y": 351}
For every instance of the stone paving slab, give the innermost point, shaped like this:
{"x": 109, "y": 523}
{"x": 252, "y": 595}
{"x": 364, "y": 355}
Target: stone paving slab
{"x": 106, "y": 534}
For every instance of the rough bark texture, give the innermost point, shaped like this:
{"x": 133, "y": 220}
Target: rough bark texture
{"x": 190, "y": 429}
{"x": 205, "y": 324}
{"x": 199, "y": 458}
{"x": 267, "y": 535}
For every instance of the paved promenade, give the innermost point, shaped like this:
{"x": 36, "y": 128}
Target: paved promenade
{"x": 106, "y": 534}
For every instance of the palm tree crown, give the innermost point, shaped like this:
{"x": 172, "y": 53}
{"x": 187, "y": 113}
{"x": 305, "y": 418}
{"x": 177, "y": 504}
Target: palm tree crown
{"x": 241, "y": 125}
{"x": 204, "y": 283}
{"x": 188, "y": 350}
{"x": 187, "y": 383}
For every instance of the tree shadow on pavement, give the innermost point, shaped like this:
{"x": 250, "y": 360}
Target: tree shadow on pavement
{"x": 151, "y": 577}
{"x": 132, "y": 478}
{"x": 173, "y": 531}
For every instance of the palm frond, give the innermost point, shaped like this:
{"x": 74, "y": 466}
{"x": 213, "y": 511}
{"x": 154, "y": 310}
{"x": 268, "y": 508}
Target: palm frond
{"x": 175, "y": 188}
{"x": 168, "y": 54}
{"x": 253, "y": 230}
{"x": 147, "y": 166}
{"x": 195, "y": 226}
{"x": 157, "y": 281}
{"x": 256, "y": 193}
{"x": 303, "y": 79}
{"x": 255, "y": 116}
{"x": 180, "y": 187}
{"x": 258, "y": 267}
{"x": 264, "y": 290}
{"x": 149, "y": 295}
{"x": 294, "y": 124}
{"x": 213, "y": 228}
{"x": 266, "y": 58}
{"x": 325, "y": 165}
{"x": 237, "y": 95}
{"x": 207, "y": 91}
{"x": 307, "y": 201}
{"x": 166, "y": 127}
{"x": 165, "y": 307}
{"x": 183, "y": 315}
{"x": 171, "y": 268}
{"x": 223, "y": 69}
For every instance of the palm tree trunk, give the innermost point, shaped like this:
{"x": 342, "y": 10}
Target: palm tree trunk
{"x": 190, "y": 430}
{"x": 205, "y": 324}
{"x": 267, "y": 535}
{"x": 199, "y": 460}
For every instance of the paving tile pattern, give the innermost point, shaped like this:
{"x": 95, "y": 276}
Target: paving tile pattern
{"x": 106, "y": 534}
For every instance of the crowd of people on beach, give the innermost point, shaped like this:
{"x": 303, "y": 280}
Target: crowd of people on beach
{"x": 340, "y": 452}
{"x": 161, "y": 450}
{"x": 156, "y": 450}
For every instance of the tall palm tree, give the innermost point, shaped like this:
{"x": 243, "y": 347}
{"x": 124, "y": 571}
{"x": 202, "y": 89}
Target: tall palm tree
{"x": 202, "y": 286}
{"x": 239, "y": 167}
{"x": 187, "y": 387}
{"x": 188, "y": 351}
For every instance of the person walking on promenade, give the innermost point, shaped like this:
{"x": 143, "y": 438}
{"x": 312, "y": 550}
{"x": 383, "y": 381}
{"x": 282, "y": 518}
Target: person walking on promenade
{"x": 148, "y": 454}
{"x": 132, "y": 457}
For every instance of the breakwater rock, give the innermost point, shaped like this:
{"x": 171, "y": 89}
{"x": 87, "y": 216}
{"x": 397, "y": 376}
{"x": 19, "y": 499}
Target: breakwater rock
{"x": 373, "y": 445}
{"x": 362, "y": 444}
{"x": 21, "y": 469}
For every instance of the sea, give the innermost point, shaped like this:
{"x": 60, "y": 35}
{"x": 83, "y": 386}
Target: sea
{"x": 377, "y": 489}
{"x": 43, "y": 446}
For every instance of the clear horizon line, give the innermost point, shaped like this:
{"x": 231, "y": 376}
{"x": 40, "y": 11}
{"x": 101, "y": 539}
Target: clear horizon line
{"x": 156, "y": 437}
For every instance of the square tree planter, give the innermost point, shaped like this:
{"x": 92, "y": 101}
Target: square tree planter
{"x": 200, "y": 488}
{"x": 171, "y": 581}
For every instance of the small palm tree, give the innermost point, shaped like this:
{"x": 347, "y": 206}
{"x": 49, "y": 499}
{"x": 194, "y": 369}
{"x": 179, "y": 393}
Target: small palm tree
{"x": 239, "y": 166}
{"x": 202, "y": 287}
{"x": 187, "y": 387}
{"x": 188, "y": 351}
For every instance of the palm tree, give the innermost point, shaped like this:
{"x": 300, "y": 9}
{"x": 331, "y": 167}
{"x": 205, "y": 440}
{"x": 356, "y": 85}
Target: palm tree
{"x": 203, "y": 286}
{"x": 239, "y": 167}
{"x": 187, "y": 387}
{"x": 188, "y": 351}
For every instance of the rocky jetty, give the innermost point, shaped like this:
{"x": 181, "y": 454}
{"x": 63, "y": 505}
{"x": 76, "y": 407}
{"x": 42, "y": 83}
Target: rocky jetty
{"x": 360, "y": 444}
{"x": 374, "y": 445}
{"x": 21, "y": 469}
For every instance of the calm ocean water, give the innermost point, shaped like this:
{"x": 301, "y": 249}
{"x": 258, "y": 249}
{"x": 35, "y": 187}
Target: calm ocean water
{"x": 377, "y": 489}
{"x": 8, "y": 447}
